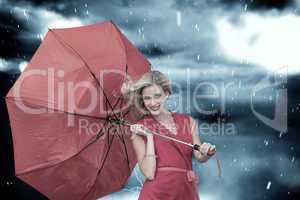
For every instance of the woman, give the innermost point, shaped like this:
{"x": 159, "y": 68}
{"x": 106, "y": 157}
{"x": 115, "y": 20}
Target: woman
{"x": 167, "y": 165}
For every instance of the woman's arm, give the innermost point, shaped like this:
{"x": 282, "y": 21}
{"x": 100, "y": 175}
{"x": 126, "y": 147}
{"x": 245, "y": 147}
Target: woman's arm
{"x": 145, "y": 155}
{"x": 196, "y": 140}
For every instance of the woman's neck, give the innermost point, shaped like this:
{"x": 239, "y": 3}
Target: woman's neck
{"x": 163, "y": 114}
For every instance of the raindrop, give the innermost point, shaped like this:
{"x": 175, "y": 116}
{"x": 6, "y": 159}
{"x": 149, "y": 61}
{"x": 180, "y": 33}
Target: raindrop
{"x": 292, "y": 148}
{"x": 25, "y": 14}
{"x": 293, "y": 159}
{"x": 281, "y": 134}
{"x": 266, "y": 142}
{"x": 245, "y": 7}
{"x": 197, "y": 27}
{"x": 178, "y": 18}
{"x": 268, "y": 185}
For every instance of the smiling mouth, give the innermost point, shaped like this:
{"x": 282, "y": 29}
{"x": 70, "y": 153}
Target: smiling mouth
{"x": 154, "y": 108}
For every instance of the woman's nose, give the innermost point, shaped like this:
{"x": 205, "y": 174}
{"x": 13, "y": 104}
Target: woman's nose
{"x": 153, "y": 102}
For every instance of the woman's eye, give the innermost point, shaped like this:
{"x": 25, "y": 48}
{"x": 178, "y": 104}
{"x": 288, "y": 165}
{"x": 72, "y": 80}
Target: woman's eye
{"x": 146, "y": 98}
{"x": 158, "y": 95}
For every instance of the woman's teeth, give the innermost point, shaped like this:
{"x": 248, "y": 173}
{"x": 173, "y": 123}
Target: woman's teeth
{"x": 154, "y": 108}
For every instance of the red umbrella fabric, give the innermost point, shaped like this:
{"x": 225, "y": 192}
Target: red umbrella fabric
{"x": 60, "y": 109}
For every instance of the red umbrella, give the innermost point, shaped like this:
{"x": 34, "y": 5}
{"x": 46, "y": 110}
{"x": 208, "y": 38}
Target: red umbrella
{"x": 60, "y": 110}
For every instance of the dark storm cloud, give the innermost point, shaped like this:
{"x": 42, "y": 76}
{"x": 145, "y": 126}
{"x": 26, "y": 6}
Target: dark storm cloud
{"x": 23, "y": 24}
{"x": 36, "y": 2}
{"x": 249, "y": 4}
{"x": 261, "y": 4}
{"x": 157, "y": 50}
{"x": 60, "y": 6}
{"x": 11, "y": 27}
{"x": 79, "y": 8}
{"x": 136, "y": 20}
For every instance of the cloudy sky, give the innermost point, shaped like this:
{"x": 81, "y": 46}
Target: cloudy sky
{"x": 236, "y": 45}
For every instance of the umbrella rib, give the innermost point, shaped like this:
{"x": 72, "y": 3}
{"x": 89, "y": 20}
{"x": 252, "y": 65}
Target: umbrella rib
{"x": 88, "y": 68}
{"x": 122, "y": 117}
{"x": 106, "y": 154}
{"x": 119, "y": 124}
{"x": 105, "y": 157}
{"x": 122, "y": 135}
{"x": 92, "y": 141}
{"x": 117, "y": 121}
{"x": 108, "y": 150}
{"x": 64, "y": 44}
{"x": 76, "y": 114}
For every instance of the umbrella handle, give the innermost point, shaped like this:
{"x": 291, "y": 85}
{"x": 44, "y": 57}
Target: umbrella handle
{"x": 196, "y": 147}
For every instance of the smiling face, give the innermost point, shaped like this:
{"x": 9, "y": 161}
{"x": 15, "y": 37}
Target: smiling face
{"x": 154, "y": 99}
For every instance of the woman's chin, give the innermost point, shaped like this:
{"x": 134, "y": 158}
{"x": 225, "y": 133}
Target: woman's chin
{"x": 155, "y": 112}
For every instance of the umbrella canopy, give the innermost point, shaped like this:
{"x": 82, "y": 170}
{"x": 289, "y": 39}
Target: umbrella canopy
{"x": 60, "y": 108}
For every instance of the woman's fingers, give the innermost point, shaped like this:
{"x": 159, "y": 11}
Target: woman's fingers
{"x": 136, "y": 128}
{"x": 212, "y": 150}
{"x": 204, "y": 148}
{"x": 139, "y": 129}
{"x": 207, "y": 149}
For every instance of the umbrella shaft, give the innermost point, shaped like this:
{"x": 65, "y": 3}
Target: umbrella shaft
{"x": 160, "y": 135}
{"x": 170, "y": 138}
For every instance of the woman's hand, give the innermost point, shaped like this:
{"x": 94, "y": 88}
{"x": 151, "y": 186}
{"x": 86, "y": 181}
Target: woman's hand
{"x": 207, "y": 149}
{"x": 140, "y": 129}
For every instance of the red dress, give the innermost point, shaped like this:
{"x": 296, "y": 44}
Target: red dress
{"x": 174, "y": 178}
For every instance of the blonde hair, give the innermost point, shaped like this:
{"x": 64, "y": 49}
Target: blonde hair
{"x": 148, "y": 79}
